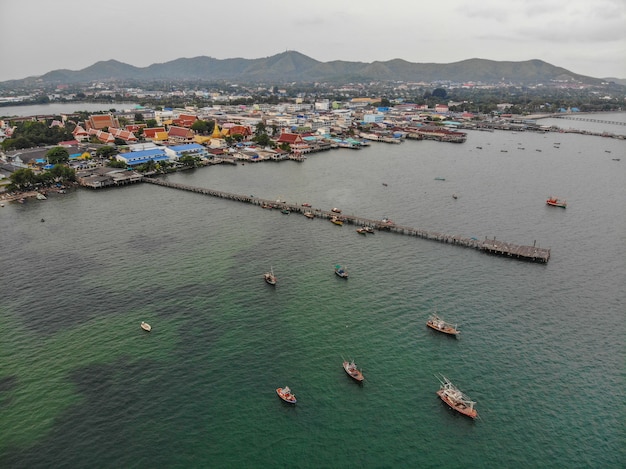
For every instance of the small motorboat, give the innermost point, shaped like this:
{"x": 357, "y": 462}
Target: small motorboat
{"x": 309, "y": 214}
{"x": 336, "y": 210}
{"x": 336, "y": 220}
{"x": 286, "y": 395}
{"x": 353, "y": 371}
{"x": 361, "y": 230}
{"x": 368, "y": 229}
{"x": 454, "y": 196}
{"x": 341, "y": 271}
{"x": 556, "y": 202}
{"x": 270, "y": 277}
{"x": 145, "y": 326}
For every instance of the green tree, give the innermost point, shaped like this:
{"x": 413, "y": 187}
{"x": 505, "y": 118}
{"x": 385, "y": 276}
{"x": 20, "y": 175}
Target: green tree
{"x": 187, "y": 160}
{"x": 151, "y": 123}
{"x": 260, "y": 129}
{"x": 138, "y": 117}
{"x": 57, "y": 155}
{"x": 22, "y": 179}
{"x": 106, "y": 152}
{"x": 61, "y": 173}
{"x": 200, "y": 126}
{"x": 262, "y": 139}
{"x": 440, "y": 93}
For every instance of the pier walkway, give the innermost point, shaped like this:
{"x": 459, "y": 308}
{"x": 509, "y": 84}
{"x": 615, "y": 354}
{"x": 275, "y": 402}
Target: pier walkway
{"x": 490, "y": 246}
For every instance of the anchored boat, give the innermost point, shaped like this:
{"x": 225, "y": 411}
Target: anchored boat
{"x": 438, "y": 324}
{"x": 270, "y": 277}
{"x": 556, "y": 202}
{"x": 286, "y": 395}
{"x": 336, "y": 220}
{"x": 341, "y": 271}
{"x": 455, "y": 399}
{"x": 145, "y": 326}
{"x": 353, "y": 371}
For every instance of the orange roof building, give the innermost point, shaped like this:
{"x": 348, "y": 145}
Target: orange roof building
{"x": 101, "y": 121}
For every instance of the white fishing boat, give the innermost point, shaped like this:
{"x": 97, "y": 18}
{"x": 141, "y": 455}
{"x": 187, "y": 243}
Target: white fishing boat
{"x": 341, "y": 271}
{"x": 145, "y": 326}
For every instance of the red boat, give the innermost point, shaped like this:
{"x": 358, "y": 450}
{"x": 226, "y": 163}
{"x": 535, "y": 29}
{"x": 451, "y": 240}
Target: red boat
{"x": 455, "y": 399}
{"x": 353, "y": 371}
{"x": 286, "y": 395}
{"x": 556, "y": 202}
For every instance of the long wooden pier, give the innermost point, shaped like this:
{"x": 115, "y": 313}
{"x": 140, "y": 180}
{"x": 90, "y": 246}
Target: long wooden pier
{"x": 490, "y": 246}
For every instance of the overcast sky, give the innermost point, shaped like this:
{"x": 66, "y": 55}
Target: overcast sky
{"x": 585, "y": 37}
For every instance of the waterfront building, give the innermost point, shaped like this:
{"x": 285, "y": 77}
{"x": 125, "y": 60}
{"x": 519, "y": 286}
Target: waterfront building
{"x": 136, "y": 158}
{"x": 193, "y": 149}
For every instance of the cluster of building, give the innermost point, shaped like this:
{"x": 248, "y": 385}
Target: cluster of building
{"x": 295, "y": 129}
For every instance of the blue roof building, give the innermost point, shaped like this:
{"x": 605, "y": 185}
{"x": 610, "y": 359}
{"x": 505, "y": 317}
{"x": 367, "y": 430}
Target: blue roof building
{"x": 177, "y": 151}
{"x": 135, "y": 158}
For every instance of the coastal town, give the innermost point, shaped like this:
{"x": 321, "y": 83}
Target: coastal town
{"x": 118, "y": 147}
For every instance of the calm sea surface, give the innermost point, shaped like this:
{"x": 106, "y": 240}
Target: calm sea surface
{"x": 541, "y": 350}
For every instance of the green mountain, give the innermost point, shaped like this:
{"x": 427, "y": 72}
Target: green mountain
{"x": 293, "y": 66}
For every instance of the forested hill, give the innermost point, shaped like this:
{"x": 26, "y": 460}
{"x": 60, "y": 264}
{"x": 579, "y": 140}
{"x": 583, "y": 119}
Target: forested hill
{"x": 293, "y": 66}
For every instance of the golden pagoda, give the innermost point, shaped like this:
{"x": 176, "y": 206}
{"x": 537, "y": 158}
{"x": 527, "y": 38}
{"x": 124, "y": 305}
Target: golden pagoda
{"x": 216, "y": 131}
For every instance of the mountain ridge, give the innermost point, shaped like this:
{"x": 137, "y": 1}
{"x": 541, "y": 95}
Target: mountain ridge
{"x": 293, "y": 66}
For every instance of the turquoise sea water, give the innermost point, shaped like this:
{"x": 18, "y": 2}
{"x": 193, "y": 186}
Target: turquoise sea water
{"x": 541, "y": 350}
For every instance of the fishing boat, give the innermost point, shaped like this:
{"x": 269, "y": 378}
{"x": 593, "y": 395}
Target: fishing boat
{"x": 270, "y": 206}
{"x": 336, "y": 221}
{"x": 439, "y": 325}
{"x": 336, "y": 210}
{"x": 454, "y": 196}
{"x": 286, "y": 395}
{"x": 309, "y": 214}
{"x": 361, "y": 230}
{"x": 145, "y": 326}
{"x": 341, "y": 271}
{"x": 455, "y": 399}
{"x": 40, "y": 196}
{"x": 306, "y": 204}
{"x": 556, "y": 202}
{"x": 284, "y": 211}
{"x": 353, "y": 371}
{"x": 369, "y": 229}
{"x": 270, "y": 277}
{"x": 440, "y": 179}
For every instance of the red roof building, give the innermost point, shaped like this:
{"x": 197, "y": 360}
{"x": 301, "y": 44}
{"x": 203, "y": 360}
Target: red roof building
{"x": 185, "y": 120}
{"x": 101, "y": 121}
{"x": 150, "y": 132}
{"x": 122, "y": 134}
{"x": 243, "y": 130}
{"x": 104, "y": 137}
{"x": 180, "y": 134}
{"x": 289, "y": 138}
